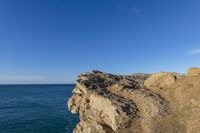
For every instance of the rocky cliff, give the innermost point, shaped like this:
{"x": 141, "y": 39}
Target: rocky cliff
{"x": 138, "y": 103}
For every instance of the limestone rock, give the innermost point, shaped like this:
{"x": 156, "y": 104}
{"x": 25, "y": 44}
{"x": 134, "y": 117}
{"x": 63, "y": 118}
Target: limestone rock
{"x": 159, "y": 81}
{"x": 194, "y": 71}
{"x": 110, "y": 103}
{"x": 184, "y": 96}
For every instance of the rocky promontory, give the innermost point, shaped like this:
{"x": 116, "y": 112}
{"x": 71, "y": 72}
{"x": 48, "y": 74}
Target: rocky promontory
{"x": 163, "y": 102}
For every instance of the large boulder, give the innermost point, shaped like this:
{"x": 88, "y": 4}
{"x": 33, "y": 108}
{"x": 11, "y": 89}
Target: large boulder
{"x": 194, "y": 71}
{"x": 158, "y": 81}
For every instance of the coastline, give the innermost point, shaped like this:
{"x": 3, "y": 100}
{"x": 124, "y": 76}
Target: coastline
{"x": 141, "y": 103}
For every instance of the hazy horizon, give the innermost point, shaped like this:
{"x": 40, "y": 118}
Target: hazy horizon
{"x": 52, "y": 42}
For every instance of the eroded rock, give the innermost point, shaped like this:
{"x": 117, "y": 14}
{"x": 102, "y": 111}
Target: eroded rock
{"x": 110, "y": 103}
{"x": 194, "y": 71}
{"x": 158, "y": 81}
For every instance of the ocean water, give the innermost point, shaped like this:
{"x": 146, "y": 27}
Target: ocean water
{"x": 36, "y": 109}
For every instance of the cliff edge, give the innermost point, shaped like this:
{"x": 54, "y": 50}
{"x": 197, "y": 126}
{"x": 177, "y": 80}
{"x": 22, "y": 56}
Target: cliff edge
{"x": 138, "y": 103}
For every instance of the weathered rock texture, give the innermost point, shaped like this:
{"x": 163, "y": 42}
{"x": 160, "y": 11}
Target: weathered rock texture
{"x": 138, "y": 103}
{"x": 156, "y": 82}
{"x": 194, "y": 71}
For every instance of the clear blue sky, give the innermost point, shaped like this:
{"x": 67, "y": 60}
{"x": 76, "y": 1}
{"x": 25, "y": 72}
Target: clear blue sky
{"x": 52, "y": 41}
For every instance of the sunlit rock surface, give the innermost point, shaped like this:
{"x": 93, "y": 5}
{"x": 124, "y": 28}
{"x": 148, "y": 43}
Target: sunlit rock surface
{"x": 138, "y": 103}
{"x": 194, "y": 71}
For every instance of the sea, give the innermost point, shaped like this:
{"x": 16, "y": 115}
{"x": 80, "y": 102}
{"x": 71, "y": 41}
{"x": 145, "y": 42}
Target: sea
{"x": 36, "y": 109}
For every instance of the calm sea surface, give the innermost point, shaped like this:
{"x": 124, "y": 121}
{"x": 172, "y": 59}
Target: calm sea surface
{"x": 35, "y": 109}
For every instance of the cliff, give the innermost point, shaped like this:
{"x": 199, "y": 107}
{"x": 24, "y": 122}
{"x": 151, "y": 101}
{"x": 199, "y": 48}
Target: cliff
{"x": 138, "y": 103}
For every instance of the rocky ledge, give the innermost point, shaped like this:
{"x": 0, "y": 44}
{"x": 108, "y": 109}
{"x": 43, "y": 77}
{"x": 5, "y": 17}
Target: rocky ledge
{"x": 139, "y": 103}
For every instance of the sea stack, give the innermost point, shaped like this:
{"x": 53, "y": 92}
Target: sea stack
{"x": 163, "y": 102}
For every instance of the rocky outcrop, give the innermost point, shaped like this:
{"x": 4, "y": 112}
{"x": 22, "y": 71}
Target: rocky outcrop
{"x": 110, "y": 103}
{"x": 160, "y": 80}
{"x": 184, "y": 97}
{"x": 194, "y": 71}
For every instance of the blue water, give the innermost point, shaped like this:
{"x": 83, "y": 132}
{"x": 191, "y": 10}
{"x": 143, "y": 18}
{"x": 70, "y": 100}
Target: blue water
{"x": 35, "y": 109}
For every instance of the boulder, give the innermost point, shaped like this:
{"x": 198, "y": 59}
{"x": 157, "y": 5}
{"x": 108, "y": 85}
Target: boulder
{"x": 160, "y": 80}
{"x": 194, "y": 71}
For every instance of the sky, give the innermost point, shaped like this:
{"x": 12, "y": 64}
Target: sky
{"x": 54, "y": 41}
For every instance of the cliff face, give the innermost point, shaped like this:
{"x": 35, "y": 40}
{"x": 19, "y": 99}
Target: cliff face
{"x": 139, "y": 103}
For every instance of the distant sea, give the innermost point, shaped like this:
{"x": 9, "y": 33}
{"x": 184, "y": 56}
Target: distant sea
{"x": 36, "y": 109}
